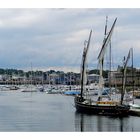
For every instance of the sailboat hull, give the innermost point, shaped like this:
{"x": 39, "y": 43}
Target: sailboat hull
{"x": 113, "y": 110}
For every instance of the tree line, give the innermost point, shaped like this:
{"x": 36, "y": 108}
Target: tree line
{"x": 40, "y": 73}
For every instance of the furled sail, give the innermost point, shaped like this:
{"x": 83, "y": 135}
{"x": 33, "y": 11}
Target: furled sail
{"x": 102, "y": 53}
{"x": 124, "y": 74}
{"x": 83, "y": 66}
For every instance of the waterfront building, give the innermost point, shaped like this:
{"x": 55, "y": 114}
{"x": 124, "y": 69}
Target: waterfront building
{"x": 131, "y": 76}
{"x": 93, "y": 78}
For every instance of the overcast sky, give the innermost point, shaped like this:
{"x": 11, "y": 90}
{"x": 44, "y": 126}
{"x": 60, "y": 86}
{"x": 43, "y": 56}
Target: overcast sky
{"x": 54, "y": 38}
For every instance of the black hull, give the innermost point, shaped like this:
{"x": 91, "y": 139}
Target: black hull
{"x": 137, "y": 97}
{"x": 134, "y": 113}
{"x": 118, "y": 110}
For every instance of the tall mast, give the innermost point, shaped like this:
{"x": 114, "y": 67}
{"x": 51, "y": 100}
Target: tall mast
{"x": 132, "y": 73}
{"x": 124, "y": 76}
{"x": 31, "y": 73}
{"x": 109, "y": 76}
{"x": 110, "y": 66}
{"x": 83, "y": 67}
{"x": 102, "y": 53}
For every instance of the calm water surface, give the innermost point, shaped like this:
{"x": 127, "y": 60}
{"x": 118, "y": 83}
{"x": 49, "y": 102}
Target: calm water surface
{"x": 35, "y": 112}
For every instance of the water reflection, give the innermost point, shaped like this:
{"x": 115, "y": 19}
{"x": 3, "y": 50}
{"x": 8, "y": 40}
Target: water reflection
{"x": 121, "y": 125}
{"x": 96, "y": 123}
{"x": 83, "y": 122}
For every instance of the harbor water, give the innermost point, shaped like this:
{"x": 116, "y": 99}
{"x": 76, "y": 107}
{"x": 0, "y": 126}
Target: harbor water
{"x": 41, "y": 112}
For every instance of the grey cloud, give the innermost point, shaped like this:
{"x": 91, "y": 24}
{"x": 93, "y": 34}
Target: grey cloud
{"x": 55, "y": 37}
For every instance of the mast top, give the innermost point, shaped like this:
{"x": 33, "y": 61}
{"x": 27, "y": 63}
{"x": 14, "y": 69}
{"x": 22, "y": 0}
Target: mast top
{"x": 106, "y": 26}
{"x": 106, "y": 41}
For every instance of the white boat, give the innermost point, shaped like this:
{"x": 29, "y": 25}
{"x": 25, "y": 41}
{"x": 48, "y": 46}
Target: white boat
{"x": 29, "y": 89}
{"x": 134, "y": 109}
{"x": 14, "y": 87}
{"x": 4, "y": 88}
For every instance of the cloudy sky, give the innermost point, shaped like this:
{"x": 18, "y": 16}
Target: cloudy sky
{"x": 54, "y": 38}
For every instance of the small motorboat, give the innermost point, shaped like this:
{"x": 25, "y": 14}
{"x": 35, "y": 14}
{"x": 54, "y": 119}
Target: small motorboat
{"x": 134, "y": 109}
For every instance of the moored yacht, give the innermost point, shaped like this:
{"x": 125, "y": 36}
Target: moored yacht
{"x": 104, "y": 105}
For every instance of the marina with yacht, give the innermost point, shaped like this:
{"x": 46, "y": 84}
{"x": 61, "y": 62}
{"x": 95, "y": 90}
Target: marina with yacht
{"x": 97, "y": 98}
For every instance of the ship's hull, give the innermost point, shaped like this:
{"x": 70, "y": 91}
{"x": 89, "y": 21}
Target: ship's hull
{"x": 134, "y": 112}
{"x": 114, "y": 110}
{"x": 137, "y": 97}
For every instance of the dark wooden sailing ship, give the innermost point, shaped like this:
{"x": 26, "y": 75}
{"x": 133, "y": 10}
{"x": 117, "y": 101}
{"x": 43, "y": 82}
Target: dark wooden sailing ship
{"x": 104, "y": 105}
